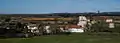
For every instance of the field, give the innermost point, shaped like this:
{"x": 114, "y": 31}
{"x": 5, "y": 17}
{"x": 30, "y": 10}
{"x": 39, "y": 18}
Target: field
{"x": 73, "y": 38}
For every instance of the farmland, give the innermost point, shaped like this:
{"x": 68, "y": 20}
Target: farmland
{"x": 73, "y": 38}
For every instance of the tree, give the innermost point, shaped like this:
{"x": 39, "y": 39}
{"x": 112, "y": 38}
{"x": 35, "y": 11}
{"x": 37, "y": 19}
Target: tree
{"x": 7, "y": 19}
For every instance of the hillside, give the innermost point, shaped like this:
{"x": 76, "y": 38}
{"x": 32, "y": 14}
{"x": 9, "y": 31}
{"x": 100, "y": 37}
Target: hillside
{"x": 65, "y": 14}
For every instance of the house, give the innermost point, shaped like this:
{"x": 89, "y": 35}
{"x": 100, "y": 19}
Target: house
{"x": 75, "y": 28}
{"x": 33, "y": 27}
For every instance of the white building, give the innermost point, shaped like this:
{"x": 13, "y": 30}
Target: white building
{"x": 33, "y": 27}
{"x": 79, "y": 28}
{"x": 82, "y": 21}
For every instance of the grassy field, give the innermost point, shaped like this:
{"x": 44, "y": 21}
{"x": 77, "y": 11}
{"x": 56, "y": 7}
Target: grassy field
{"x": 74, "y": 38}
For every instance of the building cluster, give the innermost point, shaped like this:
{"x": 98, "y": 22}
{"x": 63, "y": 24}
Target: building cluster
{"x": 73, "y": 24}
{"x": 40, "y": 26}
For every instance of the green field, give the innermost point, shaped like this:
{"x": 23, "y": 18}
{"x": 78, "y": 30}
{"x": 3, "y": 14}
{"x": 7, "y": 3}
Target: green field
{"x": 74, "y": 38}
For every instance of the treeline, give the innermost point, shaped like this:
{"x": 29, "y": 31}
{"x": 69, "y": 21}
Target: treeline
{"x": 65, "y": 14}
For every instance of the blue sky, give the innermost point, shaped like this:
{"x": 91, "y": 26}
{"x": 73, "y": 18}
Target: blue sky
{"x": 57, "y": 6}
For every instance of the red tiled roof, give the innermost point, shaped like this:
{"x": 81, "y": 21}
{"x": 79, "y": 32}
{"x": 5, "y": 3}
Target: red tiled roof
{"x": 73, "y": 26}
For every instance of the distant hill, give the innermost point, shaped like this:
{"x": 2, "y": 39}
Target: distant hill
{"x": 65, "y": 14}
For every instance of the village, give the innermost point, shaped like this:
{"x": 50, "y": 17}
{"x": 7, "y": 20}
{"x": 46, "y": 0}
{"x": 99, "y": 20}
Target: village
{"x": 37, "y": 26}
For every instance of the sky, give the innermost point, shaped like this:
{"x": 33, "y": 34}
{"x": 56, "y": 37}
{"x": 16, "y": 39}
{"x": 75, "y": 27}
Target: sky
{"x": 57, "y": 6}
